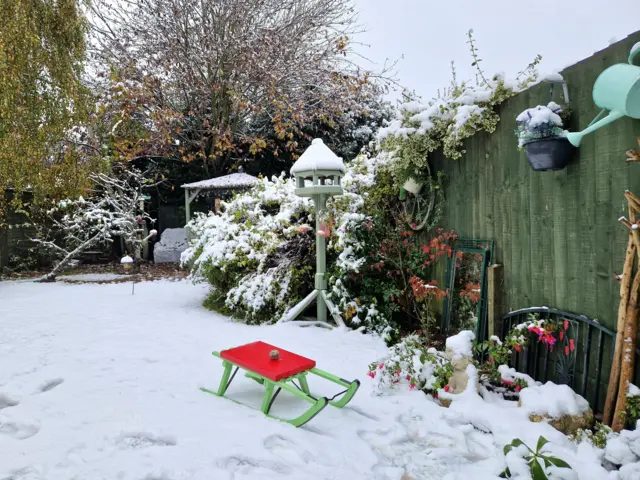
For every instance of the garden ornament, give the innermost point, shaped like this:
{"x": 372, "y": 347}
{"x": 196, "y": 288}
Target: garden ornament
{"x": 318, "y": 172}
{"x": 617, "y": 89}
{"x": 459, "y": 380}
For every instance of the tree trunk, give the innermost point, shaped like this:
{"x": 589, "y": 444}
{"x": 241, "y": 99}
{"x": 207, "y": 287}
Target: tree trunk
{"x": 51, "y": 276}
{"x": 628, "y": 354}
{"x": 614, "y": 378}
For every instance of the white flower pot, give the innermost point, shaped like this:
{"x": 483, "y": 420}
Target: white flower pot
{"x": 412, "y": 186}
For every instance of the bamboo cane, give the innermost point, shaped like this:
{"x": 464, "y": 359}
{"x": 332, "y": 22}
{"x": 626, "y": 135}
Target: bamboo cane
{"x": 628, "y": 353}
{"x": 614, "y": 378}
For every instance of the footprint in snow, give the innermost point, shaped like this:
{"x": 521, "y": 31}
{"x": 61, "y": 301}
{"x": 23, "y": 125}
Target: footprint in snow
{"x": 49, "y": 385}
{"x": 6, "y": 401}
{"x": 17, "y": 430}
{"x": 287, "y": 450}
{"x": 144, "y": 440}
{"x": 245, "y": 465}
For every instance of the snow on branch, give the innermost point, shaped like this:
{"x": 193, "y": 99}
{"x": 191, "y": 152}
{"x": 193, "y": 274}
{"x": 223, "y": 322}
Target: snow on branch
{"x": 112, "y": 210}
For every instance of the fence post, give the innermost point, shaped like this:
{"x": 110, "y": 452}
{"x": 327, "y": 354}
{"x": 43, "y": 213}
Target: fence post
{"x": 494, "y": 298}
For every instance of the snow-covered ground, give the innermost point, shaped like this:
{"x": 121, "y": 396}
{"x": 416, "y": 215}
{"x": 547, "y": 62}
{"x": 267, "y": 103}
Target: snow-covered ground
{"x": 98, "y": 384}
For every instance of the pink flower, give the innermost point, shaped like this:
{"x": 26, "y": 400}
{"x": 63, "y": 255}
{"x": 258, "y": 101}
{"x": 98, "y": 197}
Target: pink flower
{"x": 412, "y": 386}
{"x": 566, "y": 324}
{"x": 446, "y": 388}
{"x": 562, "y": 334}
{"x": 380, "y": 366}
{"x": 572, "y": 345}
{"x": 507, "y": 382}
{"x": 409, "y": 377}
{"x": 518, "y": 388}
{"x": 566, "y": 350}
{"x": 517, "y": 348}
{"x": 491, "y": 359}
{"x": 372, "y": 374}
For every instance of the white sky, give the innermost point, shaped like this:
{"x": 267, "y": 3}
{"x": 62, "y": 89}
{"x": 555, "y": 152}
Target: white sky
{"x": 508, "y": 33}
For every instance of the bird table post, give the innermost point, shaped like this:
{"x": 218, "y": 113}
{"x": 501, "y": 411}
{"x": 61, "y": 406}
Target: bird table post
{"x": 318, "y": 172}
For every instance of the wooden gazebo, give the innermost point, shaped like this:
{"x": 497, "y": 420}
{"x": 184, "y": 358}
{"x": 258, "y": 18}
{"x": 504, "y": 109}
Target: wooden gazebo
{"x": 217, "y": 186}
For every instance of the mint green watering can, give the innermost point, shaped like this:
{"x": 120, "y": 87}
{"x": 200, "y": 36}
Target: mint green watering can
{"x": 617, "y": 89}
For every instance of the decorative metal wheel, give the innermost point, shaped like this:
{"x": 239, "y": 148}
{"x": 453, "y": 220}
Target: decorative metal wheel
{"x": 418, "y": 201}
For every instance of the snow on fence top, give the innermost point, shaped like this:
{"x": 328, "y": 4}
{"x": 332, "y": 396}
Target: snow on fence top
{"x": 233, "y": 180}
{"x": 318, "y": 157}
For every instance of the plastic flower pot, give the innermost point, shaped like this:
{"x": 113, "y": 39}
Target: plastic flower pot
{"x": 549, "y": 154}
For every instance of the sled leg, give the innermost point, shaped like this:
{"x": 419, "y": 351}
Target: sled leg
{"x": 347, "y": 395}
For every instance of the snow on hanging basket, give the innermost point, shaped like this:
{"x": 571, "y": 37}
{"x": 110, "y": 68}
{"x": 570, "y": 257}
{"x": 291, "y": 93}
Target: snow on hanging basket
{"x": 543, "y": 139}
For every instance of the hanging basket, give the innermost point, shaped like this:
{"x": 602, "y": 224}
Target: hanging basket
{"x": 549, "y": 154}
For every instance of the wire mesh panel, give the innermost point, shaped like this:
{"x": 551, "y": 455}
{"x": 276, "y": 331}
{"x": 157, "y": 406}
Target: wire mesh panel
{"x": 580, "y": 358}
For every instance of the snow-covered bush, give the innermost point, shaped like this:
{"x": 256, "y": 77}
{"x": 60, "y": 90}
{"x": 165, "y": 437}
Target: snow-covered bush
{"x": 631, "y": 412}
{"x": 410, "y": 362}
{"x": 539, "y": 122}
{"x": 462, "y": 110}
{"x": 258, "y": 254}
{"x": 597, "y": 437}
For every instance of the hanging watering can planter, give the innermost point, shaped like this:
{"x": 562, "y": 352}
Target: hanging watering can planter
{"x": 617, "y": 89}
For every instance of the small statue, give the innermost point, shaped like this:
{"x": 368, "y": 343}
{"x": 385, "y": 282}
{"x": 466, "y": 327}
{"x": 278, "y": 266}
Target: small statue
{"x": 274, "y": 355}
{"x": 459, "y": 380}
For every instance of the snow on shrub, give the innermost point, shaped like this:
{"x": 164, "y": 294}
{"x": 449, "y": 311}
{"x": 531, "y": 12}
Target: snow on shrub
{"x": 411, "y": 363}
{"x": 259, "y": 253}
{"x": 251, "y": 252}
{"x": 552, "y": 400}
{"x": 539, "y": 122}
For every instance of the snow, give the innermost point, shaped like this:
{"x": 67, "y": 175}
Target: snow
{"x": 552, "y": 400}
{"x": 554, "y": 77}
{"x": 317, "y": 157}
{"x": 633, "y": 391}
{"x": 233, "y": 180}
{"x": 126, "y": 259}
{"x": 171, "y": 245}
{"x": 625, "y": 448}
{"x": 540, "y": 115}
{"x": 461, "y": 344}
{"x": 94, "y": 277}
{"x": 100, "y": 384}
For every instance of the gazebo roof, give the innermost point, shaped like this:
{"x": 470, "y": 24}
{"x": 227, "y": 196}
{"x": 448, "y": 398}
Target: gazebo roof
{"x": 233, "y": 180}
{"x": 318, "y": 157}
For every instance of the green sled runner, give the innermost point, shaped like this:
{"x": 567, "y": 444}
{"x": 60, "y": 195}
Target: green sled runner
{"x": 277, "y": 369}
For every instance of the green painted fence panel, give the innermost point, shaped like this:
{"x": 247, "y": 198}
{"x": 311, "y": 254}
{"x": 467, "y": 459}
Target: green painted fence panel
{"x": 556, "y": 233}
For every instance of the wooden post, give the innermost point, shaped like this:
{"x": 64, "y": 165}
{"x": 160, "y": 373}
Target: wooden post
{"x": 494, "y": 299}
{"x": 187, "y": 202}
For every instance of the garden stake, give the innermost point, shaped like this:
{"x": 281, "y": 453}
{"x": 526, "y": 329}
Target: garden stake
{"x": 624, "y": 353}
{"x": 614, "y": 378}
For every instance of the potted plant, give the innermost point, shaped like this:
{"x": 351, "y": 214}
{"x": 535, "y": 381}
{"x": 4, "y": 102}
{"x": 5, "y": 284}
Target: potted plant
{"x": 540, "y": 133}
